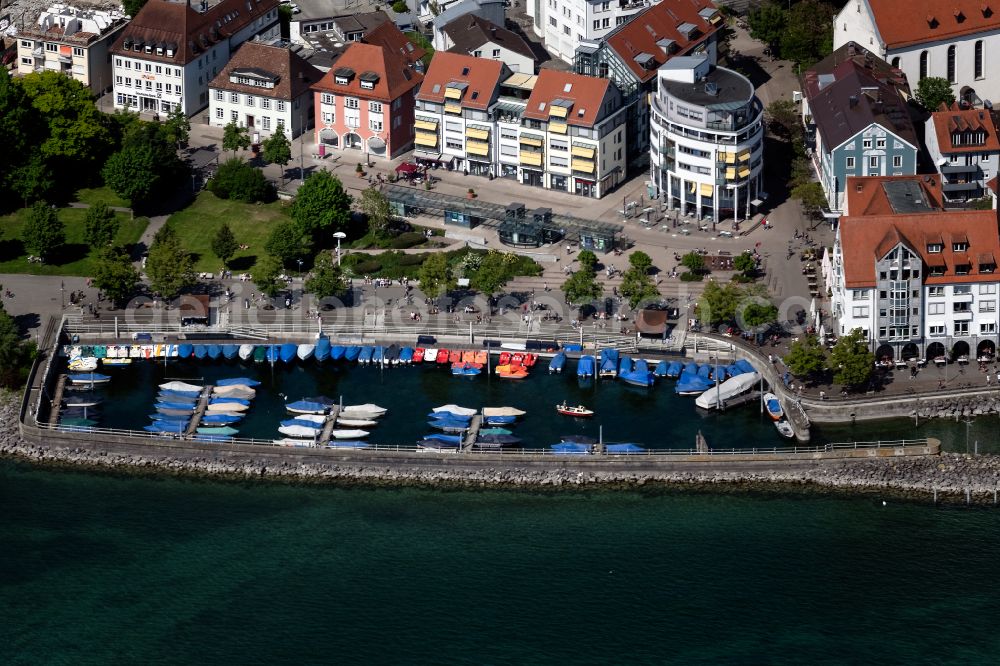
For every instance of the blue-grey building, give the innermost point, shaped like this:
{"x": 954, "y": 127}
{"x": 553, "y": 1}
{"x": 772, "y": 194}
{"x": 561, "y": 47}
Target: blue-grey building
{"x": 857, "y": 122}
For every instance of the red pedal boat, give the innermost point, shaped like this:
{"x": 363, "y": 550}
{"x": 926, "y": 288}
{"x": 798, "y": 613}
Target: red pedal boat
{"x": 442, "y": 356}
{"x": 418, "y": 355}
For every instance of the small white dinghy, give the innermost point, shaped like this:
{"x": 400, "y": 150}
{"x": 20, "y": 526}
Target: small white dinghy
{"x": 357, "y": 423}
{"x": 83, "y": 364}
{"x": 367, "y": 408}
{"x": 180, "y": 386}
{"x": 314, "y": 418}
{"x": 305, "y": 352}
{"x": 246, "y": 352}
{"x": 455, "y": 409}
{"x": 501, "y": 411}
{"x": 228, "y": 407}
{"x": 348, "y": 434}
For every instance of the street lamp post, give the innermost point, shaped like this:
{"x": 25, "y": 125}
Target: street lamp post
{"x": 340, "y": 235}
{"x": 300, "y": 269}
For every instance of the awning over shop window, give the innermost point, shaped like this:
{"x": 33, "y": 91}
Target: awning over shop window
{"x": 426, "y": 139}
{"x": 534, "y": 159}
{"x": 583, "y": 165}
{"x": 477, "y": 148}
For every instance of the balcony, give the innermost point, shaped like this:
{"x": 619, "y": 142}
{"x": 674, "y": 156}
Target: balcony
{"x": 959, "y": 187}
{"x": 959, "y": 168}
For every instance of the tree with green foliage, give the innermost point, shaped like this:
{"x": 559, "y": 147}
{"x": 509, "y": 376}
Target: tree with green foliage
{"x": 176, "y": 128}
{"x": 801, "y": 172}
{"x": 694, "y": 262}
{"x": 169, "y": 266}
{"x": 582, "y": 287}
{"x": 31, "y": 180}
{"x": 277, "y": 150}
{"x": 378, "y": 210}
{"x": 757, "y": 316}
{"x": 811, "y": 196}
{"x": 285, "y": 20}
{"x": 400, "y": 7}
{"x": 767, "y": 24}
{"x": 235, "y": 179}
{"x": 16, "y": 353}
{"x": 115, "y": 275}
{"x": 807, "y": 37}
{"x": 224, "y": 243}
{"x": 235, "y": 138}
{"x": 784, "y": 120}
{"x": 933, "y": 91}
{"x": 133, "y": 173}
{"x": 637, "y": 287}
{"x": 806, "y": 356}
{"x": 321, "y": 205}
{"x": 718, "y": 303}
{"x": 266, "y": 274}
{"x": 19, "y": 126}
{"x": 493, "y": 272}
{"x": 851, "y": 360}
{"x": 132, "y": 7}
{"x": 100, "y": 226}
{"x": 287, "y": 243}
{"x": 326, "y": 279}
{"x": 435, "y": 276}
{"x": 640, "y": 261}
{"x": 745, "y": 263}
{"x": 43, "y": 233}
{"x": 587, "y": 260}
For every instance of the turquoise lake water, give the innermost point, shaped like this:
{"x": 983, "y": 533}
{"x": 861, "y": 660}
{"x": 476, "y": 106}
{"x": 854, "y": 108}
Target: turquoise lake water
{"x": 103, "y": 569}
{"x": 653, "y": 417}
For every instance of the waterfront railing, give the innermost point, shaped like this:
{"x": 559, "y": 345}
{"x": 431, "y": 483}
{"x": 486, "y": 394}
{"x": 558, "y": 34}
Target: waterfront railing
{"x": 99, "y": 434}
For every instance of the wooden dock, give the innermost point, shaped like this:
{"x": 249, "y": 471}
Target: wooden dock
{"x": 57, "y": 400}
{"x": 736, "y": 401}
{"x": 472, "y": 434}
{"x": 199, "y": 411}
{"x": 329, "y": 425}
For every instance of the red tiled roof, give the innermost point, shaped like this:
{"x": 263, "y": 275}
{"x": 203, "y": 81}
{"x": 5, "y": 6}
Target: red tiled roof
{"x": 957, "y": 120}
{"x": 294, "y": 74}
{"x": 866, "y": 195}
{"x": 166, "y": 22}
{"x": 585, "y": 94}
{"x": 482, "y": 77}
{"x": 661, "y": 21}
{"x": 389, "y": 37}
{"x": 395, "y": 76}
{"x": 866, "y": 239}
{"x": 915, "y": 21}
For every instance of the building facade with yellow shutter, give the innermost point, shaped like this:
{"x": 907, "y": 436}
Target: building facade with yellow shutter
{"x": 706, "y": 141}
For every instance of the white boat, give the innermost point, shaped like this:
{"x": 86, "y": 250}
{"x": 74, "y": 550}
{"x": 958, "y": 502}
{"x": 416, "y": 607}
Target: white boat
{"x": 502, "y": 411}
{"x": 83, "y": 363}
{"x": 305, "y": 352}
{"x": 727, "y": 390}
{"x": 430, "y": 355}
{"x": 116, "y": 362}
{"x": 298, "y": 431}
{"x": 232, "y": 388}
{"x": 455, "y": 409}
{"x": 228, "y": 407}
{"x": 357, "y": 423}
{"x": 180, "y": 386}
{"x": 773, "y": 406}
{"x": 784, "y": 428}
{"x": 312, "y": 418}
{"x": 349, "y": 434}
{"x": 289, "y": 441}
{"x": 368, "y": 408}
{"x": 246, "y": 352}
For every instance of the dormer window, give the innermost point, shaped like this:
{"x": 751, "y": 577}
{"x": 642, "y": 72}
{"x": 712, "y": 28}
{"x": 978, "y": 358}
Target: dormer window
{"x": 934, "y": 248}
{"x": 960, "y": 247}
{"x": 367, "y": 85}
{"x": 342, "y": 76}
{"x": 962, "y": 269}
{"x": 937, "y": 271}
{"x": 159, "y": 49}
{"x": 170, "y": 51}
{"x": 368, "y": 80}
{"x": 149, "y": 48}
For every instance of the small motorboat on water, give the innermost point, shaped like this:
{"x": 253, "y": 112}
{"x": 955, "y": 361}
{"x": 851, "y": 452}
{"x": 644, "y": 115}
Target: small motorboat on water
{"x": 180, "y": 386}
{"x": 511, "y": 371}
{"x": 227, "y": 407}
{"x": 312, "y": 425}
{"x": 357, "y": 423}
{"x": 286, "y": 352}
{"x": 585, "y": 366}
{"x": 443, "y": 356}
{"x": 784, "y": 428}
{"x": 557, "y": 362}
{"x": 238, "y": 381}
{"x": 88, "y": 379}
{"x": 430, "y": 355}
{"x": 322, "y": 351}
{"x": 569, "y": 410}
{"x": 773, "y": 406}
{"x": 298, "y": 431}
{"x": 179, "y": 396}
{"x": 260, "y": 353}
{"x": 418, "y": 355}
{"x": 348, "y": 434}
{"x": 229, "y": 352}
{"x": 305, "y": 352}
{"x": 83, "y": 363}
{"x": 116, "y": 362}
{"x": 306, "y": 407}
{"x": 81, "y": 401}
{"x": 489, "y": 412}
{"x": 455, "y": 409}
{"x": 351, "y": 353}
{"x": 311, "y": 418}
{"x": 337, "y": 352}
{"x": 368, "y": 408}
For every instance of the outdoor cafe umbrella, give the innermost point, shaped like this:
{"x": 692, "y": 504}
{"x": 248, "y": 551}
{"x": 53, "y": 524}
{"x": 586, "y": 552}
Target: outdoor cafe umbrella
{"x": 407, "y": 168}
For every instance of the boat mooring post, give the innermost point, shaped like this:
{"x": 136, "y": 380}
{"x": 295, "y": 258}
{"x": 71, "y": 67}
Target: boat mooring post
{"x": 116, "y": 328}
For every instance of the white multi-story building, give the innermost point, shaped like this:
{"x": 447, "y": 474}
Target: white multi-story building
{"x": 706, "y": 140}
{"x": 264, "y": 86}
{"x": 73, "y": 41}
{"x": 963, "y": 145}
{"x": 920, "y": 282}
{"x": 167, "y": 55}
{"x": 557, "y": 130}
{"x": 951, "y": 39}
{"x": 564, "y": 24}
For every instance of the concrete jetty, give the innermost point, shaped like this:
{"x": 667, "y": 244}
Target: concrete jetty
{"x": 329, "y": 425}
{"x": 206, "y": 394}
{"x": 472, "y": 434}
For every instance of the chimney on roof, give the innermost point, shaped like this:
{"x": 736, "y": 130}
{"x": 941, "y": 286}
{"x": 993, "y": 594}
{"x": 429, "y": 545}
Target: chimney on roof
{"x": 493, "y": 30}
{"x": 853, "y": 101}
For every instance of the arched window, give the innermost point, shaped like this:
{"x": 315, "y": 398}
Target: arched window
{"x": 951, "y": 64}
{"x": 978, "y": 66}
{"x": 923, "y": 64}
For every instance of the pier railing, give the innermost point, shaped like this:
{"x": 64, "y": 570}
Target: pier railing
{"x": 97, "y": 434}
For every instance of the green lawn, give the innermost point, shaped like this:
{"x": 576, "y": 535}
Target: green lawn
{"x": 197, "y": 225}
{"x": 100, "y": 194}
{"x": 76, "y": 257}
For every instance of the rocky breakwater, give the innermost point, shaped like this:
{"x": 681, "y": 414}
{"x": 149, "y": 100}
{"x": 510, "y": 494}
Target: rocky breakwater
{"x": 949, "y": 476}
{"x": 959, "y": 407}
